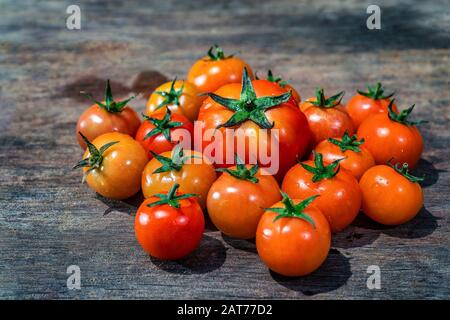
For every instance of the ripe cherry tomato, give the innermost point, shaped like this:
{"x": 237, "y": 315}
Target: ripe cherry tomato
{"x": 169, "y": 226}
{"x": 392, "y": 136}
{"x": 365, "y": 104}
{"x": 390, "y": 195}
{"x": 113, "y": 164}
{"x": 284, "y": 85}
{"x": 327, "y": 118}
{"x": 237, "y": 199}
{"x": 216, "y": 69}
{"x": 107, "y": 116}
{"x": 192, "y": 171}
{"x": 356, "y": 158}
{"x": 248, "y": 109}
{"x": 340, "y": 195}
{"x": 179, "y": 96}
{"x": 155, "y": 133}
{"x": 293, "y": 238}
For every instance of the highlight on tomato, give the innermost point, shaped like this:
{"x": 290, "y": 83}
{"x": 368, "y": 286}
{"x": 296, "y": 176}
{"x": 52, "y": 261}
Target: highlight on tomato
{"x": 340, "y": 195}
{"x": 190, "y": 169}
{"x": 107, "y": 116}
{"x": 216, "y": 70}
{"x": 392, "y": 136}
{"x": 283, "y": 84}
{"x": 179, "y": 96}
{"x": 354, "y": 156}
{"x": 112, "y": 165}
{"x": 293, "y": 237}
{"x": 259, "y": 115}
{"x": 169, "y": 226}
{"x": 390, "y": 194}
{"x": 364, "y": 104}
{"x": 156, "y": 133}
{"x": 236, "y": 200}
{"x": 327, "y": 118}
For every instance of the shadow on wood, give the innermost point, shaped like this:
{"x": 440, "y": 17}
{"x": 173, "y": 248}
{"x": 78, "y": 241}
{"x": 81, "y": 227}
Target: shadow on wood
{"x": 427, "y": 170}
{"x": 147, "y": 81}
{"x": 128, "y": 206}
{"x": 245, "y": 245}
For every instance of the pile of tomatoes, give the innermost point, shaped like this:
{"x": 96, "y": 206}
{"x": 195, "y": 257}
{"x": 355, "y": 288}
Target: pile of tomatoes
{"x": 334, "y": 160}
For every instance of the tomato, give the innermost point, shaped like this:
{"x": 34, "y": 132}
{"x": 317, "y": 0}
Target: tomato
{"x": 179, "y": 96}
{"x": 107, "y": 116}
{"x": 293, "y": 238}
{"x": 112, "y": 165}
{"x": 392, "y": 136}
{"x": 340, "y": 195}
{"x": 192, "y": 171}
{"x": 355, "y": 157}
{"x": 237, "y": 199}
{"x": 390, "y": 195}
{"x": 365, "y": 104}
{"x": 155, "y": 133}
{"x": 327, "y": 118}
{"x": 216, "y": 69}
{"x": 265, "y": 120}
{"x": 284, "y": 85}
{"x": 169, "y": 226}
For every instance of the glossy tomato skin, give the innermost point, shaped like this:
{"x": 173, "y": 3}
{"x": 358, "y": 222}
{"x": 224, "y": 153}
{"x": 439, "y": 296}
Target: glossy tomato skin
{"x": 340, "y": 196}
{"x": 291, "y": 124}
{"x": 209, "y": 75}
{"x": 95, "y": 121}
{"x": 190, "y": 100}
{"x": 388, "y": 197}
{"x": 158, "y": 143}
{"x": 355, "y": 162}
{"x": 125, "y": 156}
{"x": 193, "y": 177}
{"x": 292, "y": 246}
{"x": 235, "y": 205}
{"x": 326, "y": 122}
{"x": 361, "y": 107}
{"x": 168, "y": 233}
{"x": 389, "y": 140}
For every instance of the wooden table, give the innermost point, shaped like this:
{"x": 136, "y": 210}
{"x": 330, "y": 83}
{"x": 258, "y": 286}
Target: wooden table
{"x": 49, "y": 220}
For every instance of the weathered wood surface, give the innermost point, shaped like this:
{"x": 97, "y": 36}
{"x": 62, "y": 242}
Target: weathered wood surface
{"x": 48, "y": 220}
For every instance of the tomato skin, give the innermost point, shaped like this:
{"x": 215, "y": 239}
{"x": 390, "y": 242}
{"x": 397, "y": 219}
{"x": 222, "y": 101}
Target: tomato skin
{"x": 355, "y": 162}
{"x": 292, "y": 246}
{"x": 158, "y": 143}
{"x": 389, "y": 140}
{"x": 293, "y": 130}
{"x": 326, "y": 122}
{"x": 388, "y": 197}
{"x": 340, "y": 196}
{"x": 361, "y": 107}
{"x": 235, "y": 206}
{"x": 193, "y": 178}
{"x": 190, "y": 100}
{"x": 209, "y": 75}
{"x": 95, "y": 121}
{"x": 168, "y": 233}
{"x": 127, "y": 156}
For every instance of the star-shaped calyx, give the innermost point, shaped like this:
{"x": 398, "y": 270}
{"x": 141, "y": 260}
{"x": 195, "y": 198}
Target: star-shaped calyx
{"x": 110, "y": 104}
{"x": 171, "y": 97}
{"x": 163, "y": 125}
{"x": 376, "y": 92}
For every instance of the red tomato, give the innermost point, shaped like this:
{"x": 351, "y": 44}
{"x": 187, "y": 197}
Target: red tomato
{"x": 293, "y": 239}
{"x": 284, "y": 85}
{"x": 169, "y": 226}
{"x": 107, "y": 116}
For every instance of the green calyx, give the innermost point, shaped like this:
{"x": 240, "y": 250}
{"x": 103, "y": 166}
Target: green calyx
{"x": 376, "y": 92}
{"x": 249, "y": 107}
{"x": 403, "y": 170}
{"x": 171, "y": 198}
{"x": 175, "y": 163}
{"x": 162, "y": 126}
{"x": 320, "y": 170}
{"x": 95, "y": 158}
{"x": 323, "y": 102}
{"x": 241, "y": 171}
{"x": 278, "y": 80}
{"x": 347, "y": 142}
{"x": 402, "y": 117}
{"x": 218, "y": 54}
{"x": 171, "y": 97}
{"x": 110, "y": 105}
{"x": 292, "y": 210}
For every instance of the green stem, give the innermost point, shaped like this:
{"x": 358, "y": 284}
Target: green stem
{"x": 241, "y": 171}
{"x": 376, "y": 92}
{"x": 163, "y": 126}
{"x": 404, "y": 171}
{"x": 171, "y": 97}
{"x": 347, "y": 142}
{"x": 171, "y": 198}
{"x": 402, "y": 117}
{"x": 321, "y": 171}
{"x": 323, "y": 102}
{"x": 175, "y": 163}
